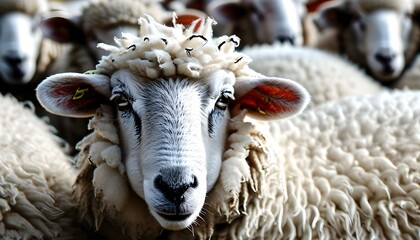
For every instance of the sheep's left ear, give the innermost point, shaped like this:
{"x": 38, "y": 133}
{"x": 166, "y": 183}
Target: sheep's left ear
{"x": 269, "y": 98}
{"x": 73, "y": 94}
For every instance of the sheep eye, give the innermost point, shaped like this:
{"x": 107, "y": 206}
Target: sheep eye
{"x": 223, "y": 100}
{"x": 121, "y": 101}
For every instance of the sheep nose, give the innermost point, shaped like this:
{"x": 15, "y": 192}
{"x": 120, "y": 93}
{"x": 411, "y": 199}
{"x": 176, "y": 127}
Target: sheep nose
{"x": 285, "y": 39}
{"x": 384, "y": 58}
{"x": 173, "y": 183}
{"x": 13, "y": 60}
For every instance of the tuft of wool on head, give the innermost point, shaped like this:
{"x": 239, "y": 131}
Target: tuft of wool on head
{"x": 31, "y": 7}
{"x": 107, "y": 13}
{"x": 162, "y": 51}
{"x": 372, "y": 5}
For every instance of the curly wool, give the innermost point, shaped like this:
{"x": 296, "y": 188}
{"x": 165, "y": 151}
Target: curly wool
{"x": 36, "y": 179}
{"x": 347, "y": 168}
{"x": 108, "y": 13}
{"x": 173, "y": 51}
{"x": 30, "y": 7}
{"x": 372, "y": 5}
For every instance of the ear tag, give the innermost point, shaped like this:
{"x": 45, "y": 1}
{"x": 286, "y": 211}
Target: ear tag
{"x": 80, "y": 93}
{"x": 262, "y": 111}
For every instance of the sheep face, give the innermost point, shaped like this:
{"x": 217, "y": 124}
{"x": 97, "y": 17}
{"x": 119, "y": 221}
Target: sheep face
{"x": 20, "y": 39}
{"x": 173, "y": 135}
{"x": 172, "y": 130}
{"x": 279, "y": 20}
{"x": 376, "y": 35}
{"x": 383, "y": 36}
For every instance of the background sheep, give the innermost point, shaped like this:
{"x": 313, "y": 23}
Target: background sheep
{"x": 26, "y": 58}
{"x": 141, "y": 172}
{"x": 36, "y": 179}
{"x": 100, "y": 21}
{"x": 326, "y": 76}
{"x": 380, "y": 36}
{"x": 263, "y": 21}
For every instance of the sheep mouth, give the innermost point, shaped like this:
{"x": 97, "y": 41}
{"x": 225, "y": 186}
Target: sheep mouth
{"x": 174, "y": 217}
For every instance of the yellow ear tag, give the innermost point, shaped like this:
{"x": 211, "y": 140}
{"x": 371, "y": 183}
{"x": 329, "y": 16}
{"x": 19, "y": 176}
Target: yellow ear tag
{"x": 80, "y": 93}
{"x": 261, "y": 111}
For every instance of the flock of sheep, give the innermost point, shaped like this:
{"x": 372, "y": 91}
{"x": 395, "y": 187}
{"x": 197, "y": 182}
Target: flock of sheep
{"x": 215, "y": 119}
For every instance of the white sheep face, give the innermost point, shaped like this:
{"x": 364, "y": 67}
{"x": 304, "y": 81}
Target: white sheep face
{"x": 173, "y": 133}
{"x": 20, "y": 39}
{"x": 383, "y": 35}
{"x": 270, "y": 20}
{"x": 171, "y": 130}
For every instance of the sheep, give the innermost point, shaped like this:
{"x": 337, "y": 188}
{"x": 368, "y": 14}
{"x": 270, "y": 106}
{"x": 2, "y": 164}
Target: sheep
{"x": 26, "y": 57}
{"x": 36, "y": 179}
{"x": 263, "y": 21}
{"x": 381, "y": 36}
{"x": 326, "y": 76}
{"x": 99, "y": 21}
{"x": 180, "y": 146}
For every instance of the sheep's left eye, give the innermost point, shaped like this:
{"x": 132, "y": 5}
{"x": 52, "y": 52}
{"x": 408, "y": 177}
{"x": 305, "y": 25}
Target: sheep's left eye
{"x": 223, "y": 100}
{"x": 121, "y": 101}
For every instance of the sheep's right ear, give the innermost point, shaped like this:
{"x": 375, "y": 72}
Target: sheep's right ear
{"x": 334, "y": 14}
{"x": 73, "y": 94}
{"x": 268, "y": 98}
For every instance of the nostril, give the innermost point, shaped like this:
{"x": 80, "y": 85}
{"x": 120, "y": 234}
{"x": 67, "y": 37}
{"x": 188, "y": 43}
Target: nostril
{"x": 194, "y": 183}
{"x": 13, "y": 60}
{"x": 285, "y": 39}
{"x": 174, "y": 188}
{"x": 384, "y": 58}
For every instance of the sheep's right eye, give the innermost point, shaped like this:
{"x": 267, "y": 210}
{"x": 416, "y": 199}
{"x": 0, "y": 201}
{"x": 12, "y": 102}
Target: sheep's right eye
{"x": 121, "y": 101}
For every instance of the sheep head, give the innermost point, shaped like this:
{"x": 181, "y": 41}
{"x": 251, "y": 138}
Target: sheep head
{"x": 279, "y": 20}
{"x": 379, "y": 35}
{"x": 172, "y": 92}
{"x": 20, "y": 39}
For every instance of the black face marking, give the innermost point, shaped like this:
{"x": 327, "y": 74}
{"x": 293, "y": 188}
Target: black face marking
{"x": 137, "y": 125}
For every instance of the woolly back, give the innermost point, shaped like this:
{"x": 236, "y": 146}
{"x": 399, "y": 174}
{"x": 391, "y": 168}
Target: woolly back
{"x": 372, "y": 5}
{"x": 30, "y": 7}
{"x": 108, "y": 13}
{"x": 162, "y": 51}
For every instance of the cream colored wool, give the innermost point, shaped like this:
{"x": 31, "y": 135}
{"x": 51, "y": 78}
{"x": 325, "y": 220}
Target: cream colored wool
{"x": 36, "y": 179}
{"x": 111, "y": 13}
{"x": 174, "y": 51}
{"x": 30, "y": 7}
{"x": 326, "y": 76}
{"x": 346, "y": 169}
